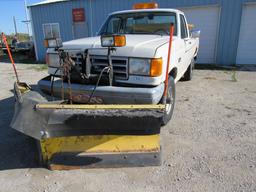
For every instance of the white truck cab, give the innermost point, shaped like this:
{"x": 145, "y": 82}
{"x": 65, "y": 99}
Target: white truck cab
{"x": 139, "y": 68}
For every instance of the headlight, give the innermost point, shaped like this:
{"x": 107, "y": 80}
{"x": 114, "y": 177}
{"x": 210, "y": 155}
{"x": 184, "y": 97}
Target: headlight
{"x": 139, "y": 66}
{"x": 113, "y": 41}
{"x": 107, "y": 41}
{"x": 53, "y": 60}
{"x": 149, "y": 67}
{"x": 53, "y": 43}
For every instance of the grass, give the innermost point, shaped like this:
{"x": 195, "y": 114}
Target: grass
{"x": 233, "y": 76}
{"x": 40, "y": 67}
{"x": 232, "y": 70}
{"x": 20, "y": 58}
{"x": 214, "y": 67}
{"x": 21, "y": 37}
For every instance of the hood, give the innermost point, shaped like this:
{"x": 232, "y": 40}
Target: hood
{"x": 136, "y": 45}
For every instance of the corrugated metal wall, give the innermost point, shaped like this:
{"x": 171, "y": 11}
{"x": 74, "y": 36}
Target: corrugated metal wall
{"x": 229, "y": 25}
{"x": 55, "y": 13}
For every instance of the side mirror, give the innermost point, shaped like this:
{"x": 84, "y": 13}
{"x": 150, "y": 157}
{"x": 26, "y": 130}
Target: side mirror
{"x": 191, "y": 26}
{"x": 195, "y": 33}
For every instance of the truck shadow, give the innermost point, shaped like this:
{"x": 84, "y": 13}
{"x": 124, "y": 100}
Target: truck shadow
{"x": 18, "y": 58}
{"x": 16, "y": 149}
{"x": 249, "y": 68}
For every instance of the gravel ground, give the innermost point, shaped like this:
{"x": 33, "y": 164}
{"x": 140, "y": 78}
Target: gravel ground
{"x": 209, "y": 145}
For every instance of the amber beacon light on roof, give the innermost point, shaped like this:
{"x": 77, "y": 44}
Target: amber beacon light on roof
{"x": 150, "y": 5}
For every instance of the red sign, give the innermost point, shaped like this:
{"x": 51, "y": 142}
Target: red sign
{"x": 78, "y": 15}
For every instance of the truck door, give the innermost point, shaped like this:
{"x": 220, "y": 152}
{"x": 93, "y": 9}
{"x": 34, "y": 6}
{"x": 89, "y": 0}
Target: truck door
{"x": 188, "y": 42}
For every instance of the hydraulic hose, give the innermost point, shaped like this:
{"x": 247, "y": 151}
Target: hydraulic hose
{"x": 98, "y": 81}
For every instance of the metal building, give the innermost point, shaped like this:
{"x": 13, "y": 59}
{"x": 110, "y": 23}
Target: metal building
{"x": 227, "y": 26}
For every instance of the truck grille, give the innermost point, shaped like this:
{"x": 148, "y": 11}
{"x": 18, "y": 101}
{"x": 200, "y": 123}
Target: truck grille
{"x": 120, "y": 65}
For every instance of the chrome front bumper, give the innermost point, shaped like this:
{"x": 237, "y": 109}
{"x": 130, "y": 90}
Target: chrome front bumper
{"x": 108, "y": 94}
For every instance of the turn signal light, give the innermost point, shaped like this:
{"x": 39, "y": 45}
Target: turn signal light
{"x": 46, "y": 44}
{"x": 156, "y": 67}
{"x": 120, "y": 41}
{"x": 150, "y": 5}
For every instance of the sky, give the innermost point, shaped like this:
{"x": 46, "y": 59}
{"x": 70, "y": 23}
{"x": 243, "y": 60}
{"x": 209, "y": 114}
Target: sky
{"x": 10, "y": 8}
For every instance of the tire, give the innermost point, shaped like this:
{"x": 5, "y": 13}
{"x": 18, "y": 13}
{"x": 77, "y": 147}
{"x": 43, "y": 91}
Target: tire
{"x": 189, "y": 72}
{"x": 170, "y": 101}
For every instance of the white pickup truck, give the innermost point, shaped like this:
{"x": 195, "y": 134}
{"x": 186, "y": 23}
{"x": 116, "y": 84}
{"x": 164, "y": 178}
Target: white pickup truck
{"x": 139, "y": 68}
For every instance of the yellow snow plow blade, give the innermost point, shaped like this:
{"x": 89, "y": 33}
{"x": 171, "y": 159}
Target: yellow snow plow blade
{"x": 72, "y": 136}
{"x": 65, "y": 153}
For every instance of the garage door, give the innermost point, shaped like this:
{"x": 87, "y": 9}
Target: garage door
{"x": 246, "y": 52}
{"x": 205, "y": 19}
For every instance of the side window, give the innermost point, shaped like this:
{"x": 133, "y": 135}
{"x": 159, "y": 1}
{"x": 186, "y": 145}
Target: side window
{"x": 114, "y": 25}
{"x": 183, "y": 27}
{"x": 51, "y": 30}
{"x": 129, "y": 25}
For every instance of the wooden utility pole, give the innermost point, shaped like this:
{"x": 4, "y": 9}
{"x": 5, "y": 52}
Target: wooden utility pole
{"x": 15, "y": 26}
{"x": 26, "y": 13}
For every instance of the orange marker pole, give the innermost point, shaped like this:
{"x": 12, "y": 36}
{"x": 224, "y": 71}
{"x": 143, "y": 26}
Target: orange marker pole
{"x": 10, "y": 56}
{"x": 168, "y": 63}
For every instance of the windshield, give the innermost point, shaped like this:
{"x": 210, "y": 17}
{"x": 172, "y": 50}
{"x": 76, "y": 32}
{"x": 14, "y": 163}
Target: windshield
{"x": 140, "y": 23}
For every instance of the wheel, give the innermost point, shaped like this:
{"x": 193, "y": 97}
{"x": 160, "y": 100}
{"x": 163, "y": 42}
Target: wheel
{"x": 189, "y": 73}
{"x": 170, "y": 101}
